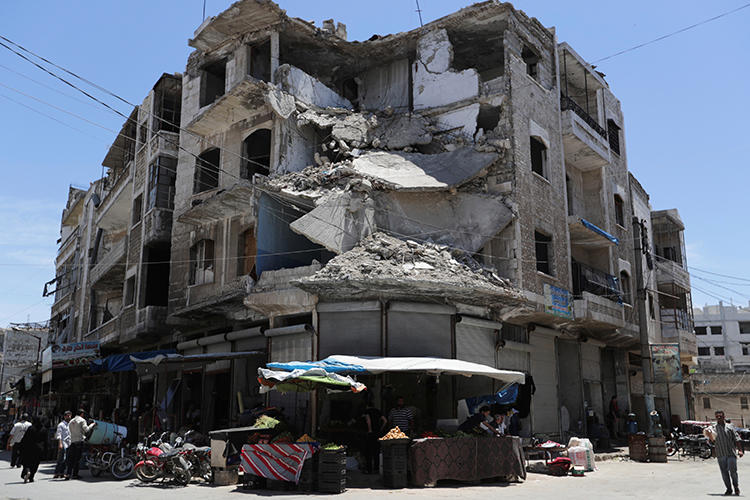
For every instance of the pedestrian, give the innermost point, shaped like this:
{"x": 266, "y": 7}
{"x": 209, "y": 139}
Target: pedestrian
{"x": 16, "y": 435}
{"x": 375, "y": 425}
{"x": 62, "y": 436}
{"x": 728, "y": 448}
{"x": 32, "y": 447}
{"x": 401, "y": 416}
{"x": 78, "y": 430}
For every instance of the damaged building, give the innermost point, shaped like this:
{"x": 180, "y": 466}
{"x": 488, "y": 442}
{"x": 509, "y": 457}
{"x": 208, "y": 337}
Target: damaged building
{"x": 459, "y": 190}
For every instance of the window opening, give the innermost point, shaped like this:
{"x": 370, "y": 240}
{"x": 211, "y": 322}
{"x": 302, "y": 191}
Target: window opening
{"x": 246, "y": 253}
{"x": 130, "y": 291}
{"x": 206, "y": 171}
{"x": 137, "y": 209}
{"x": 704, "y": 351}
{"x": 744, "y": 326}
{"x": 743, "y": 402}
{"x": 167, "y": 108}
{"x": 531, "y": 59}
{"x": 538, "y": 157}
{"x": 701, "y": 330}
{"x": 625, "y": 287}
{"x": 543, "y": 244}
{"x": 161, "y": 179}
{"x": 715, "y": 330}
{"x": 213, "y": 82}
{"x": 202, "y": 262}
{"x": 256, "y": 154}
{"x": 260, "y": 61}
{"x": 651, "y": 310}
{"x": 619, "y": 211}
{"x": 706, "y": 403}
{"x": 488, "y": 118}
{"x": 718, "y": 351}
{"x": 613, "y": 133}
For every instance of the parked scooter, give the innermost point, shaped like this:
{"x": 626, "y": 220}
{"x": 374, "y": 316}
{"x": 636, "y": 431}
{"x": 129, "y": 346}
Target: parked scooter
{"x": 689, "y": 445}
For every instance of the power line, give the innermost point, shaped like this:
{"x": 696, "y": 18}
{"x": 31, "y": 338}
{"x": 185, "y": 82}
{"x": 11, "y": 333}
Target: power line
{"x": 681, "y": 30}
{"x": 718, "y": 274}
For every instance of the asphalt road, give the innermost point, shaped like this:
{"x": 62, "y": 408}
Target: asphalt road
{"x": 686, "y": 479}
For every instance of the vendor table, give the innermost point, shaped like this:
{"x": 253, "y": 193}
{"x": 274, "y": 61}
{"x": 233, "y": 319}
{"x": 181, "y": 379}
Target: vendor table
{"x": 280, "y": 461}
{"x": 465, "y": 459}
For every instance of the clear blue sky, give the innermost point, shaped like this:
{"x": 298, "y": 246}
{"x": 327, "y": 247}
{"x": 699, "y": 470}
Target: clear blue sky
{"x": 685, "y": 101}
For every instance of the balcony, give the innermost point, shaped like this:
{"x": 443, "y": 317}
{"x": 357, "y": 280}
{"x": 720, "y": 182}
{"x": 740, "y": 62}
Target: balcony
{"x": 106, "y": 333}
{"x": 146, "y": 323}
{"x": 670, "y": 274}
{"x": 110, "y": 269}
{"x": 164, "y": 142}
{"x": 220, "y": 205}
{"x": 244, "y": 99}
{"x": 585, "y": 141}
{"x": 598, "y": 312}
{"x": 584, "y": 233}
{"x": 274, "y": 294}
{"x": 114, "y": 210}
{"x": 677, "y": 326}
{"x": 157, "y": 226}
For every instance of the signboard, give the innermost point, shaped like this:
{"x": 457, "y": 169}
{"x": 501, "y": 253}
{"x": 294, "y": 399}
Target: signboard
{"x": 665, "y": 362}
{"x": 70, "y": 355}
{"x": 558, "y": 302}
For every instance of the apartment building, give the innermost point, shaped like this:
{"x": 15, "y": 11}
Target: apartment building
{"x": 460, "y": 190}
{"x": 723, "y": 335}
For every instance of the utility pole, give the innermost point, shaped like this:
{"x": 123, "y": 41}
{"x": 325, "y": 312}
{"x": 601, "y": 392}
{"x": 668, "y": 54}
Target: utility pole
{"x": 648, "y": 386}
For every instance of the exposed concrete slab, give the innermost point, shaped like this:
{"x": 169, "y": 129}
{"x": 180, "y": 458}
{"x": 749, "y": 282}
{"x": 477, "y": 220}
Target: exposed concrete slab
{"x": 308, "y": 89}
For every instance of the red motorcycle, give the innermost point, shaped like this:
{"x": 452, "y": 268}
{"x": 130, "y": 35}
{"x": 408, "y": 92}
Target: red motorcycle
{"x": 156, "y": 463}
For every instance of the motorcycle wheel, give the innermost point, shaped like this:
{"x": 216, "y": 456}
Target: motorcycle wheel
{"x": 207, "y": 473}
{"x": 147, "y": 473}
{"x": 671, "y": 449}
{"x": 122, "y": 468}
{"x": 95, "y": 471}
{"x": 181, "y": 475}
{"x": 705, "y": 453}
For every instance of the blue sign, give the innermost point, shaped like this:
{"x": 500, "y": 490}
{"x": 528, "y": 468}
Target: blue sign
{"x": 558, "y": 302}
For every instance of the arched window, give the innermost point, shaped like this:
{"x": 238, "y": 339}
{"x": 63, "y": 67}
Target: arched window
{"x": 625, "y": 287}
{"x": 256, "y": 154}
{"x": 207, "y": 171}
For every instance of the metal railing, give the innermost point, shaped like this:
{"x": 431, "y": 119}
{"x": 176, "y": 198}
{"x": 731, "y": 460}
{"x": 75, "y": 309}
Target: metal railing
{"x": 588, "y": 279}
{"x": 568, "y": 103}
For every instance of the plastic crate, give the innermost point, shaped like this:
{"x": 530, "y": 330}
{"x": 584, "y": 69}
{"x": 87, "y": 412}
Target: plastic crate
{"x": 337, "y": 486}
{"x": 395, "y": 479}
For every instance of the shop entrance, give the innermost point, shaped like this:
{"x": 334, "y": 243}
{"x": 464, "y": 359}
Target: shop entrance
{"x": 570, "y": 390}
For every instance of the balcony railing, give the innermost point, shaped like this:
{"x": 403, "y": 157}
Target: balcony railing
{"x": 588, "y": 279}
{"x": 568, "y": 103}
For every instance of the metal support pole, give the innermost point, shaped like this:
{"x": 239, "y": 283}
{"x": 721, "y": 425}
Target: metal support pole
{"x": 648, "y": 388}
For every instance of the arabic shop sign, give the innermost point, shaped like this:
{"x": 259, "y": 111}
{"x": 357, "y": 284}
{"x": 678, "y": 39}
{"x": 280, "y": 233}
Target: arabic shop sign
{"x": 558, "y": 302}
{"x": 70, "y": 355}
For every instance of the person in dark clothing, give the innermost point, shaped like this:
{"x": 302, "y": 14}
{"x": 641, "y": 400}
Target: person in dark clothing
{"x": 478, "y": 422}
{"x": 32, "y": 447}
{"x": 375, "y": 423}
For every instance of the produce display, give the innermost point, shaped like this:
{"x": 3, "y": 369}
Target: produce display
{"x": 394, "y": 433}
{"x": 265, "y": 422}
{"x": 304, "y": 438}
{"x": 332, "y": 446}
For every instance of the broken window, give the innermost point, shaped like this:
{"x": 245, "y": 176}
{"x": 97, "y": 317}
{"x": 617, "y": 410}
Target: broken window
{"x": 156, "y": 274}
{"x": 256, "y": 154}
{"x": 161, "y": 179}
{"x": 129, "y": 291}
{"x": 213, "y": 82}
{"x": 260, "y": 61}
{"x": 206, "y": 171}
{"x": 137, "y": 209}
{"x": 167, "y": 110}
{"x": 488, "y": 117}
{"x": 202, "y": 262}
{"x": 619, "y": 211}
{"x": 613, "y": 133}
{"x": 543, "y": 245}
{"x": 718, "y": 351}
{"x": 538, "y": 157}
{"x": 531, "y": 59}
{"x": 478, "y": 50}
{"x": 246, "y": 251}
{"x": 625, "y": 287}
{"x": 700, "y": 330}
{"x": 704, "y": 351}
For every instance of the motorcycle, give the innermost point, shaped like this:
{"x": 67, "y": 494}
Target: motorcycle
{"x": 159, "y": 460}
{"x": 114, "y": 459}
{"x": 689, "y": 445}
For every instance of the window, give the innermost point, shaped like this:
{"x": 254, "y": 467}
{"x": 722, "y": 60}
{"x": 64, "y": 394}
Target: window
{"x": 515, "y": 333}
{"x": 246, "y": 252}
{"x": 137, "y": 209}
{"x": 706, "y": 403}
{"x": 161, "y": 180}
{"x": 743, "y": 402}
{"x": 538, "y": 157}
{"x": 715, "y": 330}
{"x": 745, "y": 349}
{"x": 256, "y": 154}
{"x": 129, "y": 291}
{"x": 143, "y": 134}
{"x": 718, "y": 351}
{"x": 532, "y": 62}
{"x": 213, "y": 82}
{"x": 651, "y": 310}
{"x": 701, "y": 330}
{"x": 167, "y": 110}
{"x": 744, "y": 326}
{"x": 625, "y": 287}
{"x": 619, "y": 211}
{"x": 202, "y": 262}
{"x": 704, "y": 351}
{"x": 613, "y": 133}
{"x": 543, "y": 244}
{"x": 260, "y": 61}
{"x": 206, "y": 171}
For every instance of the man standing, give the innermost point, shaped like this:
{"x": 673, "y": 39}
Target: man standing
{"x": 727, "y": 442}
{"x": 62, "y": 435}
{"x": 16, "y": 435}
{"x": 402, "y": 416}
{"x": 78, "y": 431}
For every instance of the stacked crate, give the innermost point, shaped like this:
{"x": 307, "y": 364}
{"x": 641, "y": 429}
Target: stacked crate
{"x": 395, "y": 457}
{"x": 308, "y": 476}
{"x": 332, "y": 470}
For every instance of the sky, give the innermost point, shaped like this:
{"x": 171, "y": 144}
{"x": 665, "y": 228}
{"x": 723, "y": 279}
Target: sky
{"x": 684, "y": 98}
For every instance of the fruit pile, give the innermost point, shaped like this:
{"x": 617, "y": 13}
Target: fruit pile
{"x": 394, "y": 433}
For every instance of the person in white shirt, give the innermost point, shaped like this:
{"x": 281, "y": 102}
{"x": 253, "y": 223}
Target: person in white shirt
{"x": 62, "y": 435}
{"x": 78, "y": 430}
{"x": 16, "y": 435}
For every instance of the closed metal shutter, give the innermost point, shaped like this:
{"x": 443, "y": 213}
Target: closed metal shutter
{"x": 416, "y": 329}
{"x": 350, "y": 328}
{"x": 297, "y": 347}
{"x": 475, "y": 344}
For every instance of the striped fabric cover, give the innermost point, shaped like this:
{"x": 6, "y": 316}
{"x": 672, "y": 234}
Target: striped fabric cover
{"x": 281, "y": 462}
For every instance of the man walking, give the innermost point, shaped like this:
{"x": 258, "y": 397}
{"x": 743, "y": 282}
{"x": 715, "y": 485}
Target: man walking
{"x": 78, "y": 431}
{"x": 62, "y": 435}
{"x": 727, "y": 442}
{"x": 16, "y": 435}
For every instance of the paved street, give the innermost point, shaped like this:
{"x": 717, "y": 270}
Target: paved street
{"x": 614, "y": 479}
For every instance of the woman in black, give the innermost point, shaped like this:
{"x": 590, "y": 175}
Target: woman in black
{"x": 32, "y": 446}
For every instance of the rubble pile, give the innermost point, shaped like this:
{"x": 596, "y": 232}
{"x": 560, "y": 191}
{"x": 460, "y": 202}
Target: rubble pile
{"x": 384, "y": 264}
